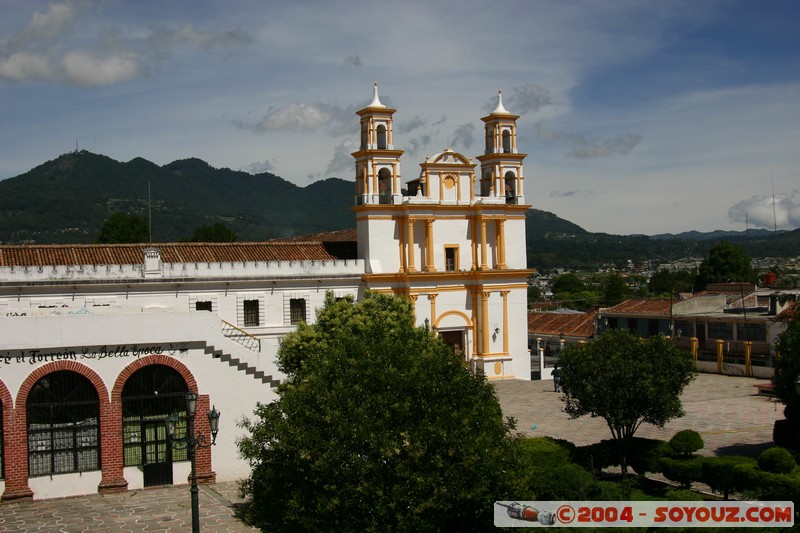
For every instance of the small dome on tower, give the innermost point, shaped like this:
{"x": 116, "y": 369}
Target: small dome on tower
{"x": 499, "y": 110}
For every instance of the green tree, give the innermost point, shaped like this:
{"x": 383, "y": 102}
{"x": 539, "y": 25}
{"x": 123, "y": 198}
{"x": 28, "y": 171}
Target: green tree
{"x": 614, "y": 289}
{"x": 726, "y": 262}
{"x": 378, "y": 427}
{"x": 627, "y": 381}
{"x": 567, "y": 283}
{"x": 787, "y": 370}
{"x": 121, "y": 228}
{"x": 664, "y": 282}
{"x": 219, "y": 232}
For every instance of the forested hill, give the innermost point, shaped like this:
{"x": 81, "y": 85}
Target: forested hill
{"x": 66, "y": 200}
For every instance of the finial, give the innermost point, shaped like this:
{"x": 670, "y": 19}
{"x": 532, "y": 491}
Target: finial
{"x": 376, "y": 102}
{"x": 500, "y": 110}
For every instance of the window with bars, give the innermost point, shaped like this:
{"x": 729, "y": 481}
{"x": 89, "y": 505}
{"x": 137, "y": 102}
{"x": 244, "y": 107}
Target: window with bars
{"x": 251, "y": 318}
{"x": 149, "y": 396}
{"x": 751, "y": 332}
{"x": 720, "y": 330}
{"x": 297, "y": 310}
{"x": 63, "y": 415}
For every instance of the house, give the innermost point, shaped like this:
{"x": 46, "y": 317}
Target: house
{"x": 549, "y": 332}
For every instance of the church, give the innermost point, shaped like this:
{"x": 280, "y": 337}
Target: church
{"x": 100, "y": 345}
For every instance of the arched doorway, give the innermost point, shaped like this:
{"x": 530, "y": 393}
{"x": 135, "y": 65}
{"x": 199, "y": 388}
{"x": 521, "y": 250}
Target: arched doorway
{"x": 63, "y": 419}
{"x": 149, "y": 396}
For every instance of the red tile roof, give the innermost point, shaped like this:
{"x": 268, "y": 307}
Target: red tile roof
{"x": 126, "y": 254}
{"x": 570, "y": 324}
{"x": 641, "y": 307}
{"x": 342, "y": 235}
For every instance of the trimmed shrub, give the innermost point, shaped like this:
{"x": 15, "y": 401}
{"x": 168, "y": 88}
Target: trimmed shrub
{"x": 685, "y": 442}
{"x": 722, "y": 475}
{"x": 785, "y": 433}
{"x": 683, "y": 495}
{"x": 645, "y": 455}
{"x": 595, "y": 457}
{"x": 568, "y": 482}
{"x": 776, "y": 460}
{"x": 683, "y": 471}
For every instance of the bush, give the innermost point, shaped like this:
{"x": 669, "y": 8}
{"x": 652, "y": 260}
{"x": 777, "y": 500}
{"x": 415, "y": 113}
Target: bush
{"x": 537, "y": 458}
{"x": 683, "y": 471}
{"x": 686, "y": 442}
{"x": 724, "y": 477}
{"x": 595, "y": 457}
{"x": 776, "y": 460}
{"x": 785, "y": 433}
{"x": 683, "y": 495}
{"x": 542, "y": 453}
{"x": 645, "y": 455}
{"x": 568, "y": 482}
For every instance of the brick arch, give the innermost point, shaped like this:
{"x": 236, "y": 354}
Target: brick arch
{"x": 79, "y": 368}
{"x": 127, "y": 372}
{"x": 5, "y": 397}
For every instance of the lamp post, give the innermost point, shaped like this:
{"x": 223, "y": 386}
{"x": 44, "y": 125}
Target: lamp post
{"x": 191, "y": 442}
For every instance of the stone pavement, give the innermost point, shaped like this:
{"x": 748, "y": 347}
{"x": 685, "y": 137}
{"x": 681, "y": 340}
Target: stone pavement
{"x": 725, "y": 410}
{"x": 157, "y": 510}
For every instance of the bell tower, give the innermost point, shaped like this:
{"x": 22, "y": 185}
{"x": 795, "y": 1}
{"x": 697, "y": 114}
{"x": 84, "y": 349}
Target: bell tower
{"x": 501, "y": 162}
{"x": 377, "y": 162}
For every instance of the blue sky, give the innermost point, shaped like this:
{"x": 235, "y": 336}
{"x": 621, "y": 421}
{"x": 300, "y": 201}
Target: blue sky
{"x": 637, "y": 116}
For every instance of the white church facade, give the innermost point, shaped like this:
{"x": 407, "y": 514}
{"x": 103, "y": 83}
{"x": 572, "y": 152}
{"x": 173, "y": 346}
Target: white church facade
{"x": 99, "y": 344}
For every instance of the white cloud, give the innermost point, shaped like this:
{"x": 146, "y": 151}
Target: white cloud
{"x": 341, "y": 164}
{"x": 87, "y": 69}
{"x": 583, "y": 148}
{"x": 52, "y": 48}
{"x": 463, "y": 135}
{"x": 259, "y": 167}
{"x": 212, "y": 39}
{"x": 21, "y": 66}
{"x": 527, "y": 98}
{"x": 782, "y": 211}
{"x": 353, "y": 61}
{"x": 297, "y": 116}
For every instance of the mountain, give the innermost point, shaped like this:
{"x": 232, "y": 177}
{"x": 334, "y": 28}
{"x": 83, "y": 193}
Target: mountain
{"x": 718, "y": 235}
{"x": 66, "y": 200}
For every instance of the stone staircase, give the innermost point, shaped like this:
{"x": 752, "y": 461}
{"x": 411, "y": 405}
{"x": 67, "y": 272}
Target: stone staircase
{"x": 242, "y": 366}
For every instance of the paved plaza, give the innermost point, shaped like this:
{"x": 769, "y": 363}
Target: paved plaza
{"x": 725, "y": 410}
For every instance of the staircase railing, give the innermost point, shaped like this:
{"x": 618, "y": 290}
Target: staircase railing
{"x": 240, "y": 336}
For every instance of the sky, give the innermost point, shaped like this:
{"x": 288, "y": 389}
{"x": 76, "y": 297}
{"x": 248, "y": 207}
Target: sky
{"x": 638, "y": 117}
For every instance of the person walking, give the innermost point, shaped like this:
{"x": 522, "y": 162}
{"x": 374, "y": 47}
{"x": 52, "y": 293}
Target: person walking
{"x": 556, "y": 378}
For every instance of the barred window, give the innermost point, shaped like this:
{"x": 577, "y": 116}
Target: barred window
{"x": 251, "y": 318}
{"x": 720, "y": 330}
{"x": 297, "y": 310}
{"x": 149, "y": 396}
{"x": 63, "y": 413}
{"x": 751, "y": 332}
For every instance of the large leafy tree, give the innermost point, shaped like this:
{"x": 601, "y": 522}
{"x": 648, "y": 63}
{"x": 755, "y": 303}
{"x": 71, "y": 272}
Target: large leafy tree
{"x": 726, "y": 262}
{"x": 218, "y": 232}
{"x": 625, "y": 380}
{"x": 121, "y": 228}
{"x": 378, "y": 427}
{"x": 787, "y": 366}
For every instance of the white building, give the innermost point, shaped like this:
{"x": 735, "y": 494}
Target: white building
{"x": 99, "y": 344}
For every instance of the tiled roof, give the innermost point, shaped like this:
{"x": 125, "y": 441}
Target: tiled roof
{"x": 342, "y": 235}
{"x": 570, "y": 324}
{"x": 127, "y": 254}
{"x": 642, "y": 307}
